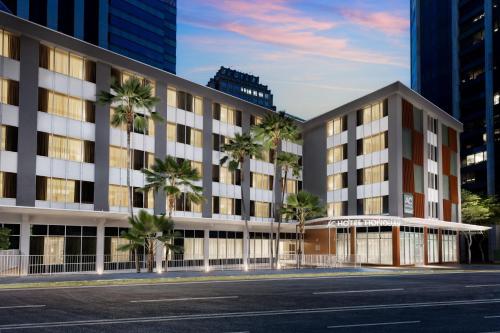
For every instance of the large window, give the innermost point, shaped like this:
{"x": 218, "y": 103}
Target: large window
{"x": 373, "y": 174}
{"x": 449, "y": 245}
{"x": 8, "y": 185}
{"x": 185, "y": 101}
{"x": 374, "y": 245}
{"x": 372, "y": 112}
{"x": 184, "y": 134}
{"x": 182, "y": 203}
{"x": 260, "y": 209}
{"x": 372, "y": 143}
{"x": 118, "y": 197}
{"x": 225, "y": 247}
{"x": 65, "y": 106}
{"x": 432, "y": 246}
{"x": 139, "y": 158}
{"x": 64, "y": 148}
{"x": 337, "y": 154}
{"x": 8, "y": 138}
{"x": 261, "y": 181}
{"x": 337, "y": 181}
{"x": 226, "y": 206}
{"x": 222, "y": 174}
{"x": 67, "y": 63}
{"x": 9, "y": 45}
{"x": 373, "y": 205}
{"x": 191, "y": 242}
{"x": 226, "y": 114}
{"x": 260, "y": 244}
{"x": 64, "y": 190}
{"x": 15, "y": 231}
{"x": 219, "y": 141}
{"x": 337, "y": 208}
{"x": 123, "y": 76}
{"x": 411, "y": 245}
{"x": 336, "y": 126}
{"x": 9, "y": 92}
{"x": 293, "y": 186}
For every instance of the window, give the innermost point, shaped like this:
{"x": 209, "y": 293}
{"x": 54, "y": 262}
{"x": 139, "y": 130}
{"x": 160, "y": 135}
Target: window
{"x": 446, "y": 187}
{"x": 55, "y": 189}
{"x": 118, "y": 157}
{"x": 337, "y": 154}
{"x": 407, "y": 144}
{"x": 182, "y": 203}
{"x": 337, "y": 181}
{"x": 261, "y": 181}
{"x": 266, "y": 156}
{"x": 185, "y": 101}
{"x": 198, "y": 166}
{"x": 372, "y": 143}
{"x": 8, "y": 138}
{"x": 373, "y": 206}
{"x": 226, "y": 114}
{"x": 8, "y": 185}
{"x": 496, "y": 99}
{"x": 475, "y": 158}
{"x": 432, "y": 209}
{"x": 337, "y": 208}
{"x": 66, "y": 106}
{"x": 9, "y": 92}
{"x": 255, "y": 120}
{"x": 9, "y": 45}
{"x": 219, "y": 141}
{"x": 372, "y": 112}
{"x": 123, "y": 76}
{"x": 432, "y": 125}
{"x": 418, "y": 178}
{"x": 337, "y": 125}
{"x": 432, "y": 152}
{"x": 293, "y": 186}
{"x": 260, "y": 209}
{"x": 432, "y": 181}
{"x": 66, "y": 63}
{"x": 118, "y": 197}
{"x": 372, "y": 175}
{"x": 226, "y": 206}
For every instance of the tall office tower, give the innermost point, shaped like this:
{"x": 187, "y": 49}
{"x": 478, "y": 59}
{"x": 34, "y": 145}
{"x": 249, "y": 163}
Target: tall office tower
{"x": 456, "y": 65}
{"x": 141, "y": 30}
{"x": 242, "y": 85}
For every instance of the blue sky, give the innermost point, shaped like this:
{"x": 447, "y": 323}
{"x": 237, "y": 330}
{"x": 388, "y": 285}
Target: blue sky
{"x": 315, "y": 55}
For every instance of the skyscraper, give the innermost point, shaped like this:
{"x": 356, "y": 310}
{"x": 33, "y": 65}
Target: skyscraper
{"x": 242, "y": 85}
{"x": 456, "y": 65}
{"x": 142, "y": 30}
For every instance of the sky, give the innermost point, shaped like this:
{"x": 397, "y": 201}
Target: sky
{"x": 315, "y": 55}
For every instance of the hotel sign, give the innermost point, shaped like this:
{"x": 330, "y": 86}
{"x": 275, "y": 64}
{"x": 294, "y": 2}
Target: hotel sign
{"x": 408, "y": 203}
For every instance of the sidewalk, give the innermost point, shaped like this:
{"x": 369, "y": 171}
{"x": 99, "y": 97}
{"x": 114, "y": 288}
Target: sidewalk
{"x": 124, "y": 278}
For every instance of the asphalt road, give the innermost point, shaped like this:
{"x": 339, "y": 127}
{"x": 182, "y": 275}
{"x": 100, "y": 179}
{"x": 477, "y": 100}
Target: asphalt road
{"x": 460, "y": 302}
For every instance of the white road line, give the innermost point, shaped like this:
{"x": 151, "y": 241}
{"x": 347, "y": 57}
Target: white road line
{"x": 482, "y": 285}
{"x": 355, "y": 291}
{"x": 377, "y": 324}
{"x": 491, "y": 317}
{"x": 248, "y": 314}
{"x": 22, "y": 306}
{"x": 182, "y": 299}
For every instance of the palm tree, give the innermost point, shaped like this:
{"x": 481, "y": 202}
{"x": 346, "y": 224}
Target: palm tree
{"x": 237, "y": 152}
{"x": 272, "y": 131}
{"x": 288, "y": 165}
{"x": 301, "y": 207}
{"x": 128, "y": 98}
{"x": 148, "y": 231}
{"x": 172, "y": 177}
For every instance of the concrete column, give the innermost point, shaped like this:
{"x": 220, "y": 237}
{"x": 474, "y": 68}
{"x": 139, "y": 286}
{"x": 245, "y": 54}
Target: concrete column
{"x": 352, "y": 172}
{"x": 440, "y": 246}
{"x": 161, "y": 141}
{"x": 396, "y": 241}
{"x": 207, "y": 157}
{"x": 440, "y": 168}
{"x": 245, "y": 171}
{"x": 426, "y": 247}
{"x": 246, "y": 248}
{"x": 206, "y": 248}
{"x": 352, "y": 240}
{"x": 395, "y": 156}
{"x": 425, "y": 168}
{"x": 99, "y": 264}
{"x": 28, "y": 107}
{"x": 24, "y": 244}
{"x": 159, "y": 252}
{"x": 102, "y": 129}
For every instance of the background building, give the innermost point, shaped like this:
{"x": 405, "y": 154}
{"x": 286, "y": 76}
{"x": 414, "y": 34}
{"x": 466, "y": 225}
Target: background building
{"x": 142, "y": 30}
{"x": 455, "y": 62}
{"x": 242, "y": 85}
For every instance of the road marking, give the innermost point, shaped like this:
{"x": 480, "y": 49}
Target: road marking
{"x": 355, "y": 291}
{"x": 182, "y": 299}
{"x": 247, "y": 314}
{"x": 482, "y": 285}
{"x": 490, "y": 317}
{"x": 376, "y": 324}
{"x": 22, "y": 306}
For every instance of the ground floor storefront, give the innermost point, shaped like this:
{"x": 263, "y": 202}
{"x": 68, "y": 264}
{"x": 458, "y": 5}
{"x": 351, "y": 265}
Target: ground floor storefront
{"x": 387, "y": 240}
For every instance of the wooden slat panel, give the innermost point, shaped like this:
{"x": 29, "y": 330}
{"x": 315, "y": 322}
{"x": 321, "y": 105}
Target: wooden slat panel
{"x": 418, "y": 148}
{"x": 447, "y": 210}
{"x": 407, "y": 115}
{"x": 452, "y": 139}
{"x": 446, "y": 160}
{"x": 408, "y": 182}
{"x": 418, "y": 205}
{"x": 453, "y": 189}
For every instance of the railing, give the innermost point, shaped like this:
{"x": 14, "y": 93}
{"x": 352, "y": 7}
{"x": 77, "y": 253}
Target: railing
{"x": 17, "y": 265}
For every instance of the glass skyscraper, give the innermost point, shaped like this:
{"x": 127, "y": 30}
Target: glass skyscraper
{"x": 142, "y": 30}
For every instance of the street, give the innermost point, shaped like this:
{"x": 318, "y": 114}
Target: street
{"x": 457, "y": 302}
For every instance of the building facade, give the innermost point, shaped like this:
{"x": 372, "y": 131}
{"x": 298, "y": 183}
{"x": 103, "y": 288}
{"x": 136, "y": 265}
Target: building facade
{"x": 63, "y": 166}
{"x": 141, "y": 30}
{"x": 455, "y": 64}
{"x": 242, "y": 85}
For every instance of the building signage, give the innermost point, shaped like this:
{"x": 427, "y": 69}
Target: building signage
{"x": 408, "y": 203}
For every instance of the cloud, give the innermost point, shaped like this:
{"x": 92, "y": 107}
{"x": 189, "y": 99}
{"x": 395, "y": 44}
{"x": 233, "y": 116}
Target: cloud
{"x": 386, "y": 22}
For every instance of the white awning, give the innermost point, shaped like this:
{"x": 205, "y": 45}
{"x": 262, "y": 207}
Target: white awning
{"x": 382, "y": 220}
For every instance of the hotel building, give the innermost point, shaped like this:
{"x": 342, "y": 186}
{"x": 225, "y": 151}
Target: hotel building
{"x": 390, "y": 155}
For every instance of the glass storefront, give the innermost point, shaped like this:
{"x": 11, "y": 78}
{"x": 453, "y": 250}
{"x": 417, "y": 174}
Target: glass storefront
{"x": 432, "y": 246}
{"x": 449, "y": 245}
{"x": 411, "y": 246}
{"x": 374, "y": 245}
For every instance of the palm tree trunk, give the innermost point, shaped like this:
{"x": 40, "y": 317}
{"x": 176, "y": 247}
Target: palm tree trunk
{"x": 468, "y": 236}
{"x": 276, "y": 210}
{"x": 283, "y": 193}
{"x": 483, "y": 257}
{"x": 150, "y": 255}
{"x": 137, "y": 267}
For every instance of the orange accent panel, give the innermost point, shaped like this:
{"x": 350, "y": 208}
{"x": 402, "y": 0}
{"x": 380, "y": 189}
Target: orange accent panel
{"x": 408, "y": 182}
{"x": 446, "y": 160}
{"x": 447, "y": 210}
{"x": 418, "y": 205}
{"x": 407, "y": 114}
{"x": 452, "y": 139}
{"x": 453, "y": 189}
{"x": 396, "y": 260}
{"x": 418, "y": 148}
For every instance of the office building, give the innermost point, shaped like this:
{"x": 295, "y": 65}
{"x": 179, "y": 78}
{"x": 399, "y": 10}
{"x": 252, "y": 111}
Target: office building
{"x": 63, "y": 191}
{"x": 242, "y": 85}
{"x": 141, "y": 30}
{"x": 455, "y": 64}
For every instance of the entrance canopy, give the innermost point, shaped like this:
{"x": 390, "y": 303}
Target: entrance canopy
{"x": 389, "y": 221}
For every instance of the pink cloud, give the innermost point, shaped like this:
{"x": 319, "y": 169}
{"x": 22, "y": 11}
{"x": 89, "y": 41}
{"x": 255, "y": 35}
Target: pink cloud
{"x": 382, "y": 21}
